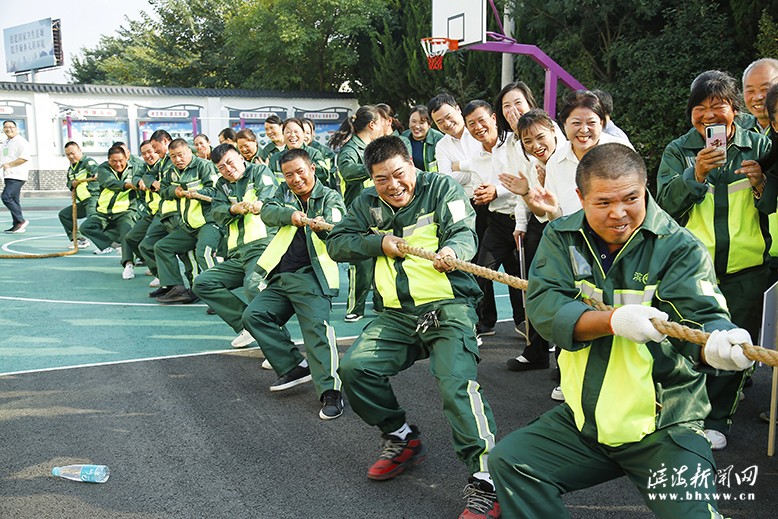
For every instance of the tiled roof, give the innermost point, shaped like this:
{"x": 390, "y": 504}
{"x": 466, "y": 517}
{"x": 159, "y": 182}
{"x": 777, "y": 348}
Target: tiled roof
{"x": 9, "y": 86}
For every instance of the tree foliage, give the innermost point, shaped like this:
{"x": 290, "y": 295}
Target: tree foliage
{"x": 767, "y": 40}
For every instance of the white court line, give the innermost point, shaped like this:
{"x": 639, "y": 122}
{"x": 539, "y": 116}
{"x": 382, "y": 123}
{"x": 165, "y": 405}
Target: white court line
{"x": 107, "y": 303}
{"x": 133, "y": 361}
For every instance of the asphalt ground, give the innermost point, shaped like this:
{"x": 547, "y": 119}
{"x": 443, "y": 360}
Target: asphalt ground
{"x": 93, "y": 371}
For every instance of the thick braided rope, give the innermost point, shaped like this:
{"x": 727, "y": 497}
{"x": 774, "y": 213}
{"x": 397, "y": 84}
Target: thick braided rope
{"x": 74, "y": 232}
{"x": 678, "y": 331}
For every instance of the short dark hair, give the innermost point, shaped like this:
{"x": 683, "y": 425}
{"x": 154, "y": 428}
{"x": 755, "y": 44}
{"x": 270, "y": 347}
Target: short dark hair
{"x": 309, "y": 122}
{"x": 608, "y": 161}
{"x": 204, "y": 136}
{"x": 581, "y": 99}
{"x": 383, "y": 149}
{"x": 144, "y": 143}
{"x": 161, "y": 136}
{"x": 218, "y": 153}
{"x": 274, "y": 119}
{"x": 606, "y": 99}
{"x": 227, "y": 133}
{"x": 771, "y": 100}
{"x": 177, "y": 143}
{"x": 115, "y": 150}
{"x": 474, "y": 105}
{"x": 294, "y": 120}
{"x": 713, "y": 84}
{"x": 246, "y": 133}
{"x": 9, "y": 121}
{"x": 71, "y": 143}
{"x": 439, "y": 100}
{"x": 292, "y": 154}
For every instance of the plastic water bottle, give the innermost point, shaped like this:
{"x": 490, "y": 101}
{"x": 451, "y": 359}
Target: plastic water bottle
{"x": 86, "y": 473}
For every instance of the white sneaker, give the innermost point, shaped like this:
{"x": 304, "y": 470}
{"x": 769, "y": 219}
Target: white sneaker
{"x": 129, "y": 271}
{"x": 557, "y": 394}
{"x": 83, "y": 243}
{"x": 243, "y": 339}
{"x": 266, "y": 364}
{"x": 154, "y": 283}
{"x": 717, "y": 439}
{"x": 100, "y": 252}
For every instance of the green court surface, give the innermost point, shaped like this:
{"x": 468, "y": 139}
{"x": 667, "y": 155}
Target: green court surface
{"x": 77, "y": 310}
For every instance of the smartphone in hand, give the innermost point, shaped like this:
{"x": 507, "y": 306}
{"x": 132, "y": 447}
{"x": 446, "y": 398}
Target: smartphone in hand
{"x": 716, "y": 136}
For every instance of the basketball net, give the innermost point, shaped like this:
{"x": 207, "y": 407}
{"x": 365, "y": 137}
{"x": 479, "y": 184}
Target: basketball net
{"x": 435, "y": 49}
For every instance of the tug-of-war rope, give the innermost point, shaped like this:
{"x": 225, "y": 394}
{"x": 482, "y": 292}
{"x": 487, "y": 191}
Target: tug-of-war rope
{"x": 74, "y": 232}
{"x": 671, "y": 329}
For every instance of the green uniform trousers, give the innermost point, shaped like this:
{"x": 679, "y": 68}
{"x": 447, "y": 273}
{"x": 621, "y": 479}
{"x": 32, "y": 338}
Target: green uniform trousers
{"x": 157, "y": 230}
{"x": 100, "y": 228}
{"x": 744, "y": 292}
{"x": 202, "y": 242}
{"x": 84, "y": 209}
{"x": 391, "y": 343}
{"x": 295, "y": 293}
{"x": 215, "y": 287}
{"x": 533, "y": 466}
{"x": 132, "y": 239}
{"x": 360, "y": 279}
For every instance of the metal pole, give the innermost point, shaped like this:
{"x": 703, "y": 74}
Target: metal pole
{"x": 508, "y": 58}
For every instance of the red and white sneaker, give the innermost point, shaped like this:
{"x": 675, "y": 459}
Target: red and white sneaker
{"x": 398, "y": 455}
{"x": 481, "y": 500}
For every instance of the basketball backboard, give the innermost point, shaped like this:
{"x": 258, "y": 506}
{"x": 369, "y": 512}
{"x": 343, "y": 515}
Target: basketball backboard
{"x": 461, "y": 20}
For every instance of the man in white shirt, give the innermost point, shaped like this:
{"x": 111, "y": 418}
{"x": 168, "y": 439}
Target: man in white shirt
{"x": 497, "y": 246}
{"x": 15, "y": 161}
{"x": 455, "y": 150}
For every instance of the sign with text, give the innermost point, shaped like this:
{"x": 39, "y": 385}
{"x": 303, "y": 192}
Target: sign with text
{"x": 29, "y": 47}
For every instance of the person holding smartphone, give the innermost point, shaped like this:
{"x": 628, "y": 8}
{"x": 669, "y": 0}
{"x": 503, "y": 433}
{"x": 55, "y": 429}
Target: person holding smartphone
{"x": 720, "y": 195}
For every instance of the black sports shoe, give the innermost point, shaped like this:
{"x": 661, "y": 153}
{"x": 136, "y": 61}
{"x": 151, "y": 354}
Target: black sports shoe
{"x": 481, "y": 500}
{"x": 178, "y": 294}
{"x": 296, "y": 376}
{"x": 518, "y": 365}
{"x": 484, "y": 331}
{"x": 332, "y": 405}
{"x": 161, "y": 291}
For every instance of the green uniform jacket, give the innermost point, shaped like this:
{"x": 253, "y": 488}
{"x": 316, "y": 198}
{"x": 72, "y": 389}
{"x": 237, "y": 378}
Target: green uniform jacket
{"x": 245, "y": 233}
{"x": 439, "y": 215}
{"x": 428, "y": 148}
{"x": 200, "y": 176}
{"x": 278, "y": 211}
{"x": 151, "y": 199}
{"x": 268, "y": 150}
{"x": 114, "y": 198}
{"x": 84, "y": 168}
{"x": 722, "y": 212}
{"x": 322, "y": 168}
{"x": 620, "y": 391}
{"x": 330, "y": 163}
{"x": 352, "y": 169}
{"x": 162, "y": 168}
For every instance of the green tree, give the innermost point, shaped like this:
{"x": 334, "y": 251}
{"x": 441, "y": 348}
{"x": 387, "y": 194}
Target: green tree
{"x": 767, "y": 39}
{"x": 180, "y": 46}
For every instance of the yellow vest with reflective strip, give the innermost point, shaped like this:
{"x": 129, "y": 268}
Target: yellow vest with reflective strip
{"x": 425, "y": 284}
{"x": 280, "y": 244}
{"x": 746, "y": 242}
{"x": 253, "y": 227}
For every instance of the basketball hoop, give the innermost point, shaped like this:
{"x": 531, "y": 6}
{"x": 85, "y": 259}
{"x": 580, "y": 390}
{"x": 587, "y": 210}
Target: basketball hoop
{"x": 435, "y": 49}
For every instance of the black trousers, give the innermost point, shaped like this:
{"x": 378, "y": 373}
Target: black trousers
{"x": 498, "y": 249}
{"x": 537, "y": 347}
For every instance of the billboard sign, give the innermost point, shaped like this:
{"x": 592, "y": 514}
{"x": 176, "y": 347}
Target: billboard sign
{"x": 29, "y": 47}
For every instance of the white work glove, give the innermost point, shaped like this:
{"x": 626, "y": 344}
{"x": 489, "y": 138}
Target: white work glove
{"x": 723, "y": 350}
{"x": 632, "y": 322}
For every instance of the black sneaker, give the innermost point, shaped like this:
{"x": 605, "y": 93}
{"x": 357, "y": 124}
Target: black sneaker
{"x": 481, "y": 500}
{"x": 178, "y": 294}
{"x": 161, "y": 291}
{"x": 332, "y": 405}
{"x": 398, "y": 455}
{"x": 296, "y": 376}
{"x": 518, "y": 365}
